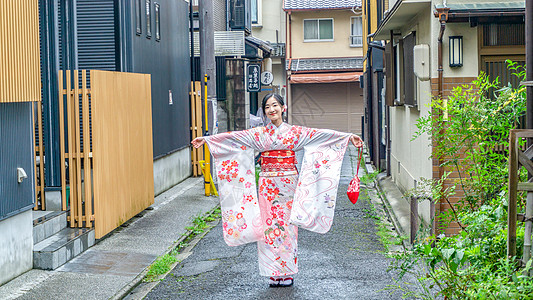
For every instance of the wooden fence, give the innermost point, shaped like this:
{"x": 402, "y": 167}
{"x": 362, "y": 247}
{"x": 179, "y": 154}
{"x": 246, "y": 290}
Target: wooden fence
{"x": 106, "y": 140}
{"x": 19, "y": 51}
{"x": 196, "y": 126}
{"x": 519, "y": 157}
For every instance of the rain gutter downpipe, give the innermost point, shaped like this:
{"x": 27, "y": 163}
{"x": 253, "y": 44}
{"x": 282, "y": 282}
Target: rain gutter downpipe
{"x": 442, "y": 14}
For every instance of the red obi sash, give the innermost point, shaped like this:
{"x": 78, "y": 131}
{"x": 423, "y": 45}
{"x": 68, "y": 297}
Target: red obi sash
{"x": 278, "y": 160}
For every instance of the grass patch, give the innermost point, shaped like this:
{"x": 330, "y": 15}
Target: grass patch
{"x": 199, "y": 224}
{"x": 163, "y": 263}
{"x": 160, "y": 266}
{"x": 388, "y": 237}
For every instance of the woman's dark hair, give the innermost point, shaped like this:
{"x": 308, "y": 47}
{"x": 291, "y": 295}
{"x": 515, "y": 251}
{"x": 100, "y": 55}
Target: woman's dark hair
{"x": 275, "y": 96}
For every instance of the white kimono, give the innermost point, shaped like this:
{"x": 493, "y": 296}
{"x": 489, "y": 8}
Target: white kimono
{"x": 269, "y": 215}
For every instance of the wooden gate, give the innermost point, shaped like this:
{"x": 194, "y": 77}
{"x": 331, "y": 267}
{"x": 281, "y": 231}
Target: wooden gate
{"x": 517, "y": 158}
{"x": 75, "y": 145}
{"x": 106, "y": 144}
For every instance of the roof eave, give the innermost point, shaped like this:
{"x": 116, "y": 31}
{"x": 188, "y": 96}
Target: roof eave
{"x": 323, "y": 8}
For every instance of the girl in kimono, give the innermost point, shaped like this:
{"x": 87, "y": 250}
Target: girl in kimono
{"x": 285, "y": 200}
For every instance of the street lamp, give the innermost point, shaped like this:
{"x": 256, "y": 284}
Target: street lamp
{"x": 456, "y": 51}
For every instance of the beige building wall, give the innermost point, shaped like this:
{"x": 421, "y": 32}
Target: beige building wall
{"x": 271, "y": 18}
{"x": 339, "y": 47}
{"x": 470, "y": 66}
{"x": 271, "y": 28}
{"x": 410, "y": 159}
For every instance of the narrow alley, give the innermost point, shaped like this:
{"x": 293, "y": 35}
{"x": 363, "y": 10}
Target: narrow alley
{"x": 346, "y": 263}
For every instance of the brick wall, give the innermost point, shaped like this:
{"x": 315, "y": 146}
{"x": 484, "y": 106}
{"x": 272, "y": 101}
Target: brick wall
{"x": 447, "y": 87}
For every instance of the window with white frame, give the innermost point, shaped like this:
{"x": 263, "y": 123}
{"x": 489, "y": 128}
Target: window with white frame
{"x": 255, "y": 9}
{"x": 356, "y": 32}
{"x": 318, "y": 30}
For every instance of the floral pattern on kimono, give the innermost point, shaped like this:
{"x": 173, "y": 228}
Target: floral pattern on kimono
{"x": 316, "y": 188}
{"x": 278, "y": 251}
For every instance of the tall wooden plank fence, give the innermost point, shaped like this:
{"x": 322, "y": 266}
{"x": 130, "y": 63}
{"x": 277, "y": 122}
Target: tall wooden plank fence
{"x": 106, "y": 142}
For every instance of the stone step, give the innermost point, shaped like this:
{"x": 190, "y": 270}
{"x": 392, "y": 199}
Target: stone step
{"x": 47, "y": 223}
{"x": 62, "y": 247}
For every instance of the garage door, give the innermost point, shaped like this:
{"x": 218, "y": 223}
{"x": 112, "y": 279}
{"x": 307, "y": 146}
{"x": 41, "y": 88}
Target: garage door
{"x": 337, "y": 106}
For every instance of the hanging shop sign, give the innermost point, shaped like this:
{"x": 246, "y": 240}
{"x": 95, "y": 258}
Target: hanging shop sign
{"x": 267, "y": 78}
{"x": 253, "y": 83}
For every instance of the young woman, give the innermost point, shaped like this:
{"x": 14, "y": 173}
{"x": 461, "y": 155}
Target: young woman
{"x": 285, "y": 200}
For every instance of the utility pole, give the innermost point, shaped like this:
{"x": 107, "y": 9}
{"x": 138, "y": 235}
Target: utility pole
{"x": 207, "y": 59}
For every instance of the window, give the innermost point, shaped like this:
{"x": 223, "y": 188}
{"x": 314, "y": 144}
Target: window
{"x": 255, "y": 13}
{"x": 409, "y": 78}
{"x": 356, "y": 32}
{"x": 138, "y": 16}
{"x": 148, "y": 5}
{"x": 318, "y": 30}
{"x": 157, "y": 22}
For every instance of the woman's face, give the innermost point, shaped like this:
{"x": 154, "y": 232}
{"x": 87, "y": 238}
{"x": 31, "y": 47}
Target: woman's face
{"x": 273, "y": 110}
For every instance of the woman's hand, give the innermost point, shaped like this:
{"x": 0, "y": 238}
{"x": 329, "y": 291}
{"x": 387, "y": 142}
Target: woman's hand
{"x": 356, "y": 141}
{"x": 198, "y": 142}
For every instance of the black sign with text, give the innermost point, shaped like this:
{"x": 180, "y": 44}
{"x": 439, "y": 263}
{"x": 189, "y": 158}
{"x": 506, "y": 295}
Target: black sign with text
{"x": 253, "y": 78}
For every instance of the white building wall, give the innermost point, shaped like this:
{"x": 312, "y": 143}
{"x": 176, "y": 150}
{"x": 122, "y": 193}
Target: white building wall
{"x": 410, "y": 159}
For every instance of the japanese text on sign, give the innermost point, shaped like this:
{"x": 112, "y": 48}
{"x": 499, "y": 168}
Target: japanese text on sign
{"x": 253, "y": 83}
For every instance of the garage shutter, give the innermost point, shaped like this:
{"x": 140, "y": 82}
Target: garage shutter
{"x": 337, "y": 106}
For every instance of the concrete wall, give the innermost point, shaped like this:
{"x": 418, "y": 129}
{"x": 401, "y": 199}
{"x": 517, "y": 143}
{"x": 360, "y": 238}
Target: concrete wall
{"x": 16, "y": 246}
{"x": 340, "y": 47}
{"x": 171, "y": 170}
{"x": 271, "y": 18}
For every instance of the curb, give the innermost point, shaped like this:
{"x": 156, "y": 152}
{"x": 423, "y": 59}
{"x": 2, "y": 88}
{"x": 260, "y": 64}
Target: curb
{"x": 127, "y": 289}
{"x": 382, "y": 195}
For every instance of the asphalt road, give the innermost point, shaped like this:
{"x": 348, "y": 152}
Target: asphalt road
{"x": 346, "y": 263}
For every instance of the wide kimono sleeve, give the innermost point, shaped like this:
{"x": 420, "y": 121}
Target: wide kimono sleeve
{"x": 316, "y": 193}
{"x": 233, "y": 154}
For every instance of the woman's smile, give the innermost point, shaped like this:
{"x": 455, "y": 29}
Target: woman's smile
{"x": 274, "y": 111}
